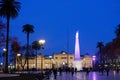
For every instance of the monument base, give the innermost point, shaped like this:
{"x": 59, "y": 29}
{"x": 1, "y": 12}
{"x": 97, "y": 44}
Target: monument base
{"x": 77, "y": 64}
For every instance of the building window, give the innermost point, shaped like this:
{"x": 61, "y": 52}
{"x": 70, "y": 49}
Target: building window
{"x": 71, "y": 57}
{"x": 63, "y": 57}
{"x": 56, "y": 57}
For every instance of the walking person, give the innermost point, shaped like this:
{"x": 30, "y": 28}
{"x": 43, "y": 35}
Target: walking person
{"x": 75, "y": 70}
{"x": 47, "y": 73}
{"x": 87, "y": 71}
{"x": 72, "y": 71}
{"x": 60, "y": 70}
{"x": 55, "y": 73}
{"x": 117, "y": 70}
{"x": 102, "y": 70}
{"x": 107, "y": 70}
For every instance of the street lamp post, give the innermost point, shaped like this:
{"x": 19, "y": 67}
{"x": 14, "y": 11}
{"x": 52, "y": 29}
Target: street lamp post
{"x": 1, "y": 65}
{"x": 41, "y": 42}
{"x": 93, "y": 58}
{"x": 50, "y": 57}
{"x": 18, "y": 56}
{"x": 5, "y": 59}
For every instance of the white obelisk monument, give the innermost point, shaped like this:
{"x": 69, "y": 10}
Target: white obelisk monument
{"x": 77, "y": 61}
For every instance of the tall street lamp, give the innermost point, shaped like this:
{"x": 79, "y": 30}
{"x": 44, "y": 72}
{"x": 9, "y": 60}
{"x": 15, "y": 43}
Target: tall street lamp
{"x": 1, "y": 65}
{"x": 50, "y": 57}
{"x": 93, "y": 58}
{"x": 41, "y": 42}
{"x": 18, "y": 56}
{"x": 5, "y": 60}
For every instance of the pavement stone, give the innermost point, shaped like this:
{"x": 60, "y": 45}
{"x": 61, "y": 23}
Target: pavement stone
{"x": 91, "y": 76}
{"x": 8, "y": 75}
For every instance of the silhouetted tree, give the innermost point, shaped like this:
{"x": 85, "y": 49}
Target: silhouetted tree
{"x": 36, "y": 46}
{"x": 117, "y": 31}
{"x": 27, "y": 28}
{"x": 15, "y": 49}
{"x": 8, "y": 9}
{"x": 100, "y": 46}
{"x": 111, "y": 51}
{"x": 108, "y": 51}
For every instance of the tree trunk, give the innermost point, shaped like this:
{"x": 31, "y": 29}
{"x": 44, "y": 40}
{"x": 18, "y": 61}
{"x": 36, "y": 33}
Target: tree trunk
{"x": 7, "y": 42}
{"x": 27, "y": 52}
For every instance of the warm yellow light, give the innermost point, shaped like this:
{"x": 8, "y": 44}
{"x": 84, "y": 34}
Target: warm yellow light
{"x": 18, "y": 54}
{"x": 4, "y": 49}
{"x": 42, "y": 42}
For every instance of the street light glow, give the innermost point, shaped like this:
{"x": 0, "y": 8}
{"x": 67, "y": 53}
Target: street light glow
{"x": 94, "y": 58}
{"x": 50, "y": 56}
{"x": 42, "y": 42}
{"x": 1, "y": 63}
{"x": 18, "y": 54}
{"x": 4, "y": 49}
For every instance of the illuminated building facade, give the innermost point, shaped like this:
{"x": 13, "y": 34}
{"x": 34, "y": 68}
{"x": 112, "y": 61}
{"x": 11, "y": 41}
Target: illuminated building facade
{"x": 61, "y": 59}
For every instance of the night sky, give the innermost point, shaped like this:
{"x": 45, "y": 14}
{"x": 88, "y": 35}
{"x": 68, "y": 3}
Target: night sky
{"x": 57, "y": 21}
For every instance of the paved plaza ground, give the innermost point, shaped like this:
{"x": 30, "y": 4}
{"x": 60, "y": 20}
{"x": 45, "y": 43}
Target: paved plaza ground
{"x": 83, "y": 76}
{"x": 79, "y": 76}
{"x": 8, "y": 75}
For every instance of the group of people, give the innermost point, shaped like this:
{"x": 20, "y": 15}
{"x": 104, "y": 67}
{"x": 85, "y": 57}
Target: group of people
{"x": 103, "y": 69}
{"x": 58, "y": 71}
{"x": 68, "y": 70}
{"x": 72, "y": 70}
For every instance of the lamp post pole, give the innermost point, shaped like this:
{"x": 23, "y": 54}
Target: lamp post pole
{"x": 50, "y": 57}
{"x": 93, "y": 58}
{"x": 41, "y": 42}
{"x": 5, "y": 58}
{"x": 18, "y": 56}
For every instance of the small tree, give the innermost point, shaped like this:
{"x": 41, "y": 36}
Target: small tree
{"x": 15, "y": 49}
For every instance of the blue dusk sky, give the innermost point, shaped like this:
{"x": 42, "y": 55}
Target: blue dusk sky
{"x": 57, "y": 21}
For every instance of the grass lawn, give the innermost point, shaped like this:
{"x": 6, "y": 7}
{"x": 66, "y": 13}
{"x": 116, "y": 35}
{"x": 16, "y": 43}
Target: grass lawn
{"x": 25, "y": 77}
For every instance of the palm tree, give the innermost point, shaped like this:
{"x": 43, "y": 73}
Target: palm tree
{"x": 8, "y": 9}
{"x": 36, "y": 46}
{"x": 100, "y": 46}
{"x": 27, "y": 28}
